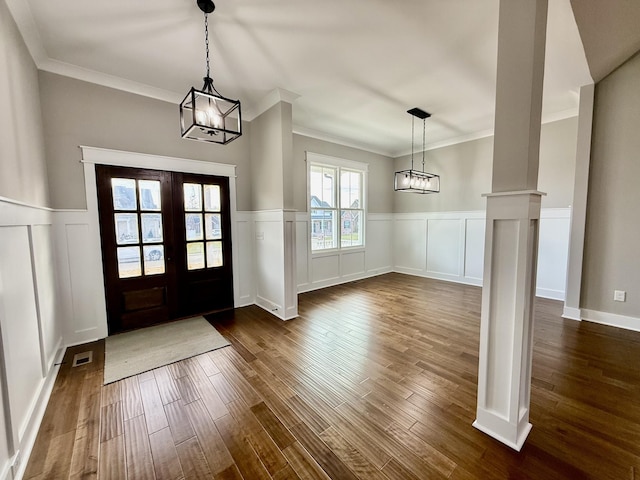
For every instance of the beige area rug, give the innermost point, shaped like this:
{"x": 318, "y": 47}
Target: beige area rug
{"x": 131, "y": 353}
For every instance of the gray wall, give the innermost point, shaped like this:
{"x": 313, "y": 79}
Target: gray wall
{"x": 23, "y": 171}
{"x": 267, "y": 158}
{"x": 79, "y": 113}
{"x": 465, "y": 172}
{"x": 380, "y": 172}
{"x": 612, "y": 253}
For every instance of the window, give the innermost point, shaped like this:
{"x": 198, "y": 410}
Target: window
{"x": 336, "y": 202}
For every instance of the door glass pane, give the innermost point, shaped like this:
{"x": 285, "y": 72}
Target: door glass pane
{"x": 195, "y": 256}
{"x": 153, "y": 259}
{"x": 149, "y": 195}
{"x": 192, "y": 197}
{"x": 124, "y": 193}
{"x": 151, "y": 228}
{"x": 212, "y": 224}
{"x": 129, "y": 262}
{"x": 126, "y": 228}
{"x": 212, "y": 198}
{"x": 214, "y": 254}
{"x": 193, "y": 224}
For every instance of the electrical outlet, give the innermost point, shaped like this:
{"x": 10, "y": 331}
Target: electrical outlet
{"x": 619, "y": 296}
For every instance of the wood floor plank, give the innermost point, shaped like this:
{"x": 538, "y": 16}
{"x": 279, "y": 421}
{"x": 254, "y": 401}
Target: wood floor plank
{"x": 231, "y": 473}
{"x": 111, "y": 421}
{"x": 166, "y": 386}
{"x": 206, "y": 391}
{"x": 322, "y": 454}
{"x": 84, "y": 459}
{"x": 351, "y": 457}
{"x": 213, "y": 446}
{"x": 303, "y": 464}
{"x": 153, "y": 409}
{"x": 112, "y": 464}
{"x": 181, "y": 429}
{"x": 264, "y": 446}
{"x": 273, "y": 426}
{"x": 187, "y": 390}
{"x": 240, "y": 449}
{"x": 166, "y": 463}
{"x": 138, "y": 450}
{"x": 223, "y": 387}
{"x": 131, "y": 400}
{"x": 194, "y": 464}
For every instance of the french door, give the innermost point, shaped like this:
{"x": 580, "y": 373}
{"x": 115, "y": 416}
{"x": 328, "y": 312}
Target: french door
{"x": 166, "y": 245}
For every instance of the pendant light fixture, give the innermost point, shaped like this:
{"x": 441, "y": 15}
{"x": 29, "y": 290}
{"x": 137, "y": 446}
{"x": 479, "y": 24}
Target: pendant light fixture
{"x": 205, "y": 115}
{"x": 416, "y": 181}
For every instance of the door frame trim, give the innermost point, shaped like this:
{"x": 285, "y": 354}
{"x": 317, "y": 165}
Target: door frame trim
{"x": 92, "y": 156}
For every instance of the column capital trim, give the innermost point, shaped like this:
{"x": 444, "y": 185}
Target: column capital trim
{"x": 514, "y": 193}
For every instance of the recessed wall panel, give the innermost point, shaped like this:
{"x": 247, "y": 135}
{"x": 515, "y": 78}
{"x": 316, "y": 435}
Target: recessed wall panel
{"x": 444, "y": 241}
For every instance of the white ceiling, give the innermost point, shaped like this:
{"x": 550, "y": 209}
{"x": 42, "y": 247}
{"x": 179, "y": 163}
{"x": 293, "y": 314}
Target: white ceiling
{"x": 355, "y": 66}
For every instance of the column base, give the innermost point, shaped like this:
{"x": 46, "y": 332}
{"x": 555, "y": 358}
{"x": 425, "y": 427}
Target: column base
{"x": 512, "y": 435}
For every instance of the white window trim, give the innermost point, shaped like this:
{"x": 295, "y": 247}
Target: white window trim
{"x": 329, "y": 161}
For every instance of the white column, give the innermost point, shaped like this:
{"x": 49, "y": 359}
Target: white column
{"x": 506, "y": 330}
{"x": 513, "y": 214}
{"x": 579, "y": 205}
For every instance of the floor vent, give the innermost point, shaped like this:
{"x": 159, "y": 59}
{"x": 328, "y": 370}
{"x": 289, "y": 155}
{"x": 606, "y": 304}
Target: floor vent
{"x": 82, "y": 358}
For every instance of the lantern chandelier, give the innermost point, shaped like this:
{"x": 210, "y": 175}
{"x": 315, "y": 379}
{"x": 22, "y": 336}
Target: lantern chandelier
{"x": 205, "y": 115}
{"x": 416, "y": 181}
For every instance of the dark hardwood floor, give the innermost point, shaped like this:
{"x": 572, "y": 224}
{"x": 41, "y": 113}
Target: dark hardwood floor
{"x": 375, "y": 380}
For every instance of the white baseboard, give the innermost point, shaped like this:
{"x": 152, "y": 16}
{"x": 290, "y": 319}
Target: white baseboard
{"x": 309, "y": 287}
{"x": 550, "y": 294}
{"x": 611, "y": 319}
{"x": 572, "y": 313}
{"x": 31, "y": 432}
{"x": 476, "y": 282}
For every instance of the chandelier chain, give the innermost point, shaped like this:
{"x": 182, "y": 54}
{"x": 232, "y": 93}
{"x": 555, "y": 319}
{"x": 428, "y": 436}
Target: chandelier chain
{"x": 206, "y": 39}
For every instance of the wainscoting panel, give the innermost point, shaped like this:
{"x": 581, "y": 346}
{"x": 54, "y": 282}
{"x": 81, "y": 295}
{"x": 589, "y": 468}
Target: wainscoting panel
{"x": 450, "y": 246}
{"x": 445, "y": 248}
{"x": 30, "y": 328}
{"x": 19, "y": 325}
{"x": 352, "y": 263}
{"x": 325, "y": 268}
{"x": 44, "y": 274}
{"x": 474, "y": 250}
{"x": 269, "y": 255}
{"x": 410, "y": 243}
{"x": 303, "y": 258}
{"x": 243, "y": 259}
{"x": 553, "y": 251}
{"x": 379, "y": 239}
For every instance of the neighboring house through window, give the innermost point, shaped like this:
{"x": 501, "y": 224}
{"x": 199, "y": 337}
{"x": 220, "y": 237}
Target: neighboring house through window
{"x": 337, "y": 189}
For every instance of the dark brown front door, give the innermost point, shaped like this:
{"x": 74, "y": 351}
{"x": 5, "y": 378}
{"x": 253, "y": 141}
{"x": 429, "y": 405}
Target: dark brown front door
{"x": 166, "y": 245}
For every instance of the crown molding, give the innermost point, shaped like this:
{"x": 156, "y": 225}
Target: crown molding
{"x": 326, "y": 137}
{"x": 272, "y": 98}
{"x": 106, "y": 80}
{"x": 22, "y": 15}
